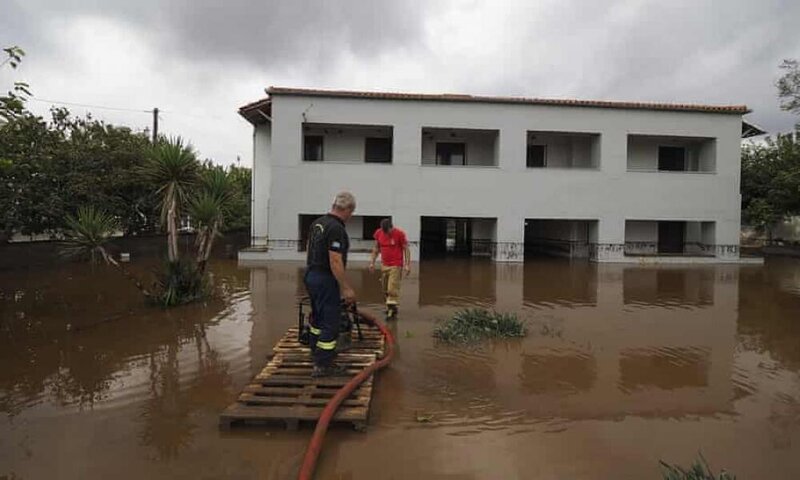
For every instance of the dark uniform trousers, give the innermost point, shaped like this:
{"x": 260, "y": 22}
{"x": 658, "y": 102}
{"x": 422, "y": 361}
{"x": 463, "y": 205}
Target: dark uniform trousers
{"x": 326, "y": 315}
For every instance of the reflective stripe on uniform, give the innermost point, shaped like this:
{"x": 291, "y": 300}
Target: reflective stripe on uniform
{"x": 326, "y": 345}
{"x": 314, "y": 330}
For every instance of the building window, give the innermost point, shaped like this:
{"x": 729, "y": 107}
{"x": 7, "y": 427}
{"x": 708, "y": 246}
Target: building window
{"x": 312, "y": 148}
{"x": 537, "y": 156}
{"x": 370, "y": 225}
{"x": 672, "y": 159}
{"x": 378, "y": 150}
{"x": 451, "y": 154}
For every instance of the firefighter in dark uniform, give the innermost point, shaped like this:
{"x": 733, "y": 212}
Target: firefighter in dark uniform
{"x": 326, "y": 282}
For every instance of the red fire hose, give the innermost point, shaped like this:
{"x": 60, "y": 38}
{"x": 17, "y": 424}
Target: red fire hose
{"x": 315, "y": 446}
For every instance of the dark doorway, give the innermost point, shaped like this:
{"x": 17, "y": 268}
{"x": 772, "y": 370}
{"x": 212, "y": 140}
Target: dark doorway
{"x": 672, "y": 159}
{"x": 443, "y": 236}
{"x": 671, "y": 237}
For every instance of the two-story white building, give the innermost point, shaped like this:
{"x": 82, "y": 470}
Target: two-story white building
{"x": 502, "y": 177}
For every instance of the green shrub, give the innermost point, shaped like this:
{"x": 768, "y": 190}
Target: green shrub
{"x": 474, "y": 324}
{"x": 180, "y": 282}
{"x": 698, "y": 471}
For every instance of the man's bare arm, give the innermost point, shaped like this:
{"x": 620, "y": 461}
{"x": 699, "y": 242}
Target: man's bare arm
{"x": 337, "y": 268}
{"x": 373, "y": 255}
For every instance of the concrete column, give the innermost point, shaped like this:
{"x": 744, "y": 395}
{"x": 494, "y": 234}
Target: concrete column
{"x": 610, "y": 244}
{"x": 512, "y": 148}
{"x": 510, "y": 239}
{"x": 407, "y": 144}
{"x": 262, "y": 178}
{"x": 727, "y": 238}
{"x": 409, "y": 221}
{"x": 614, "y": 152}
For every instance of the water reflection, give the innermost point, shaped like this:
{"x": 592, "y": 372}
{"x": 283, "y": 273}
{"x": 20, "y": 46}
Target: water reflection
{"x": 561, "y": 372}
{"x": 456, "y": 282}
{"x": 555, "y": 282}
{"x": 669, "y": 286}
{"x": 769, "y": 306}
{"x": 666, "y": 368}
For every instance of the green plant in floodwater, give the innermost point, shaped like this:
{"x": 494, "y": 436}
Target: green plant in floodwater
{"x": 474, "y": 324}
{"x": 87, "y": 234}
{"x": 180, "y": 282}
{"x": 172, "y": 167}
{"x": 699, "y": 470}
{"x": 421, "y": 417}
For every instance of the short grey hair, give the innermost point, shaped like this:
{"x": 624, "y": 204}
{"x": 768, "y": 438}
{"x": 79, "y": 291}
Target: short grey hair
{"x": 344, "y": 201}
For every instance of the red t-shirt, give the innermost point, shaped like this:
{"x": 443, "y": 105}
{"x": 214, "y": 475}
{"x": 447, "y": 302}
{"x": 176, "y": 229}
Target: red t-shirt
{"x": 392, "y": 246}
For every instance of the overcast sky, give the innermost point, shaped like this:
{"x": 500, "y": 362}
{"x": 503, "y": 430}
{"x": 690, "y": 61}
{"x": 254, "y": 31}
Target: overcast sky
{"x": 199, "y": 60}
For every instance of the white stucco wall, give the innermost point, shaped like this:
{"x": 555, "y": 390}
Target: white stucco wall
{"x": 510, "y": 192}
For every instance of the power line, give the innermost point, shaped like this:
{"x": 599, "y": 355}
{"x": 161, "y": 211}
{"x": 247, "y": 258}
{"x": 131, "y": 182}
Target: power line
{"x": 74, "y": 104}
{"x": 43, "y": 100}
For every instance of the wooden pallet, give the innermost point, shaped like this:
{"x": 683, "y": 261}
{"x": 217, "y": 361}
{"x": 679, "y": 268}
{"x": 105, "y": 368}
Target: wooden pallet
{"x": 285, "y": 392}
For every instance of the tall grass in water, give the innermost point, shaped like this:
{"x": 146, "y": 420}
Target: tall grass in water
{"x": 699, "y": 470}
{"x": 474, "y": 324}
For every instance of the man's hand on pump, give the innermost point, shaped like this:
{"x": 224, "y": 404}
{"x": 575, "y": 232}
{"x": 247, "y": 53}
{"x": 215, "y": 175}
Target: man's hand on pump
{"x": 349, "y": 295}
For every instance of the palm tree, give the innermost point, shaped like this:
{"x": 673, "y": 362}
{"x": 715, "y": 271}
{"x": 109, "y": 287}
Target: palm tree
{"x": 173, "y": 166}
{"x": 209, "y": 208}
{"x": 87, "y": 235}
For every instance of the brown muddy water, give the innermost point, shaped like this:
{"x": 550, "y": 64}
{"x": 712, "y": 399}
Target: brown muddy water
{"x": 624, "y": 366}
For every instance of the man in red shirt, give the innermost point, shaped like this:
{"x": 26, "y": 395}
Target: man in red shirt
{"x": 392, "y": 244}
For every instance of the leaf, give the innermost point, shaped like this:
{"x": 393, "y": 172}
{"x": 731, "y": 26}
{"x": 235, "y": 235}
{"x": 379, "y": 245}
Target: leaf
{"x": 423, "y": 418}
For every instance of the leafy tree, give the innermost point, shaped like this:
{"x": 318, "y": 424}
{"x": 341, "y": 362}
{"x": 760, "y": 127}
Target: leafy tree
{"x": 239, "y": 215}
{"x": 49, "y": 169}
{"x": 789, "y": 86}
{"x": 771, "y": 180}
{"x": 12, "y": 104}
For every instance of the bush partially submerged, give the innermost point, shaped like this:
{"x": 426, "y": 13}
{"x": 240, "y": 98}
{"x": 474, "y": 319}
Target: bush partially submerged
{"x": 474, "y": 324}
{"x": 698, "y": 471}
{"x": 180, "y": 282}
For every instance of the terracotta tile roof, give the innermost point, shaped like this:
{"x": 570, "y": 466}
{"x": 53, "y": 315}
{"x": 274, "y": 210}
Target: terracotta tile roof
{"x": 254, "y": 112}
{"x": 255, "y": 105}
{"x": 449, "y": 97}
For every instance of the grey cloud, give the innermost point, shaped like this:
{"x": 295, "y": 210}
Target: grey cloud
{"x": 272, "y": 33}
{"x": 680, "y": 51}
{"x": 651, "y": 50}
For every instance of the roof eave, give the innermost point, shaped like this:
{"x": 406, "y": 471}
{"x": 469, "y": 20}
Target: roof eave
{"x": 258, "y": 112}
{"x": 750, "y": 129}
{"x": 722, "y": 109}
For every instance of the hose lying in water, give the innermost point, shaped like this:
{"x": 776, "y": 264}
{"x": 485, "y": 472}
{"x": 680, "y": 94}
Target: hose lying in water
{"x": 315, "y": 445}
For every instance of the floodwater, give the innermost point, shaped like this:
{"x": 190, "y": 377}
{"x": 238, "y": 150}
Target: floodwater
{"x": 623, "y": 366}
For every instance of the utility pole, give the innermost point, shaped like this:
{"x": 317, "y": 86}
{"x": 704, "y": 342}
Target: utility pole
{"x": 155, "y": 125}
